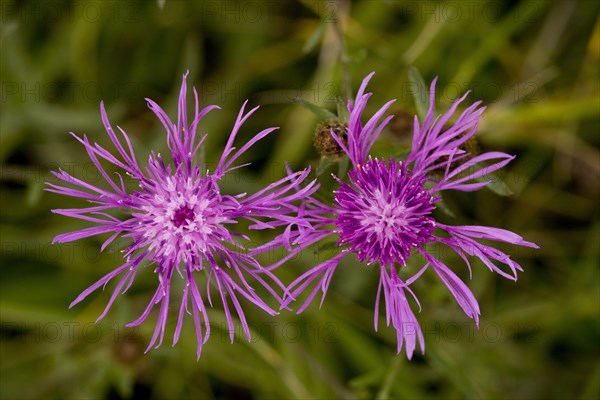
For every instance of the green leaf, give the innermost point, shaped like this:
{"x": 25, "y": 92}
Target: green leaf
{"x": 384, "y": 391}
{"x": 342, "y": 111}
{"x": 122, "y": 379}
{"x": 327, "y": 250}
{"x": 401, "y": 155}
{"x": 496, "y": 185}
{"x": 34, "y": 192}
{"x": 6, "y": 29}
{"x": 327, "y": 246}
{"x": 343, "y": 166}
{"x": 320, "y": 112}
{"x": 420, "y": 93}
{"x": 444, "y": 207}
{"x": 324, "y": 163}
{"x": 316, "y": 37}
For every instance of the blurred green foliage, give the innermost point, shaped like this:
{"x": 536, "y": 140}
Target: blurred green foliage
{"x": 534, "y": 63}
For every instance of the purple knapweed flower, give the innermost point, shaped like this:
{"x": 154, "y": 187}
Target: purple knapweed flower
{"x": 177, "y": 220}
{"x": 383, "y": 214}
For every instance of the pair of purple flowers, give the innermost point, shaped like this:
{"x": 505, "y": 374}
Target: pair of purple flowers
{"x": 179, "y": 222}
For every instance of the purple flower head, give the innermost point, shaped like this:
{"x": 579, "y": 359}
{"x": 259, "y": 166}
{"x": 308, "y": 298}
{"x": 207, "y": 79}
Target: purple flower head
{"x": 384, "y": 213}
{"x": 178, "y": 220}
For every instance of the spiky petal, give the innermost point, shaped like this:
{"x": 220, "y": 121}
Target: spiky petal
{"x": 179, "y": 222}
{"x": 383, "y": 213}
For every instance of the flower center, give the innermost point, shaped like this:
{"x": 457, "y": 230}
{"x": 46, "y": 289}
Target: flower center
{"x": 384, "y": 213}
{"x": 182, "y": 216}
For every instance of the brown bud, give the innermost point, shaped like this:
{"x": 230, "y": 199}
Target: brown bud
{"x": 325, "y": 143}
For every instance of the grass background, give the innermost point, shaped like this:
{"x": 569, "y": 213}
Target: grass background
{"x": 534, "y": 63}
